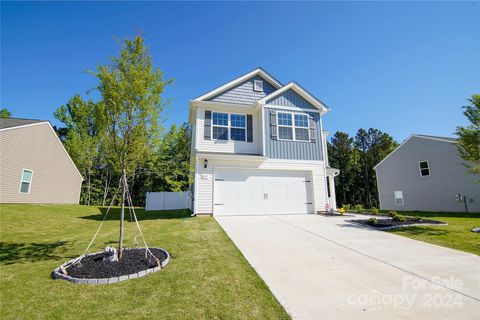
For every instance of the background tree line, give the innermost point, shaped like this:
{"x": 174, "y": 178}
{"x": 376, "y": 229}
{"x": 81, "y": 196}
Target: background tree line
{"x": 355, "y": 157}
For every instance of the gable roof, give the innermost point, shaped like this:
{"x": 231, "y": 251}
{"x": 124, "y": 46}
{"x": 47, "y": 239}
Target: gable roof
{"x": 14, "y": 123}
{"x": 17, "y": 122}
{"x": 445, "y": 139}
{"x": 423, "y": 136}
{"x": 257, "y": 72}
{"x": 299, "y": 90}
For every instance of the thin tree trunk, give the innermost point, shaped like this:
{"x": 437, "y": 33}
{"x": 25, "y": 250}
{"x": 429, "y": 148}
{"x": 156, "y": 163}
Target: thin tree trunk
{"x": 131, "y": 185}
{"x": 88, "y": 188}
{"x": 105, "y": 189}
{"x": 122, "y": 213}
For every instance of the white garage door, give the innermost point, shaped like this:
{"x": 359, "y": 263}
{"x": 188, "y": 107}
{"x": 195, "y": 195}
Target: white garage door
{"x": 256, "y": 192}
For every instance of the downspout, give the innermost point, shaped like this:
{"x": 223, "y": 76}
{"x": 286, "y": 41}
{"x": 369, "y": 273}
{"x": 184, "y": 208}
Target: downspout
{"x": 324, "y": 161}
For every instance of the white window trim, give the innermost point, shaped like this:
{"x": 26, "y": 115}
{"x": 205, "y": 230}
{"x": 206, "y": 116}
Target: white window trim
{"x": 420, "y": 169}
{"x": 395, "y": 198}
{"x": 235, "y": 127}
{"x": 258, "y": 85}
{"x": 292, "y": 116}
{"x": 229, "y": 126}
{"x": 29, "y": 182}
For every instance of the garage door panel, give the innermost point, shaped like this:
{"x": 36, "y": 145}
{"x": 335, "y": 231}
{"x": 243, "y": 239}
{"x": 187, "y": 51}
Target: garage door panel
{"x": 251, "y": 192}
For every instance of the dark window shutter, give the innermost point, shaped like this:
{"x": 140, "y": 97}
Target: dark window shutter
{"x": 273, "y": 124}
{"x": 249, "y": 128}
{"x": 207, "y": 127}
{"x": 312, "y": 128}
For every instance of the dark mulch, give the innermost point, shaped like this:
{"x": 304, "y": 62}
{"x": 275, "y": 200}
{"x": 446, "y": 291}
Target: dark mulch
{"x": 388, "y": 222}
{"x": 133, "y": 261}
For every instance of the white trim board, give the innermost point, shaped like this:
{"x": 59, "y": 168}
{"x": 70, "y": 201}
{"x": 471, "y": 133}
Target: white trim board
{"x": 25, "y": 125}
{"x": 257, "y": 72}
{"x": 299, "y": 90}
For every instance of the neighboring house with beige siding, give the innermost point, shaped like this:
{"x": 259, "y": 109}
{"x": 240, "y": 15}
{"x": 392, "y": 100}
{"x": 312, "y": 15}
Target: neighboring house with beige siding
{"x": 34, "y": 165}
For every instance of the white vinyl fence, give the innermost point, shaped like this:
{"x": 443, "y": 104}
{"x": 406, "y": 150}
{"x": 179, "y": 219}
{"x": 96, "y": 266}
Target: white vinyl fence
{"x": 167, "y": 200}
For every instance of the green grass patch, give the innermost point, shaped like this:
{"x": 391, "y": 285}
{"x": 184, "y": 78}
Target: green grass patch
{"x": 207, "y": 277}
{"x": 457, "y": 235}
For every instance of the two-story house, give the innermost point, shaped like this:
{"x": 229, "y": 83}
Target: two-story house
{"x": 258, "y": 148}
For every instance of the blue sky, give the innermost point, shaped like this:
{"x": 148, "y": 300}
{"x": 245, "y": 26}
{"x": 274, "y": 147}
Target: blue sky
{"x": 403, "y": 68}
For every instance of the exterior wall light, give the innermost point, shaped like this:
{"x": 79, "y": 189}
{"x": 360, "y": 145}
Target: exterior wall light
{"x": 205, "y": 163}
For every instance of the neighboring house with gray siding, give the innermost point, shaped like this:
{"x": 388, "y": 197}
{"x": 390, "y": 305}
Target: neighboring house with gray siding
{"x": 425, "y": 173}
{"x": 259, "y": 147}
{"x": 34, "y": 165}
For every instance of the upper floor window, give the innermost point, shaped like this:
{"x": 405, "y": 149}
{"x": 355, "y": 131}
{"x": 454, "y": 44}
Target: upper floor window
{"x": 26, "y": 181}
{"x": 223, "y": 123}
{"x": 301, "y": 127}
{"x": 258, "y": 85}
{"x": 238, "y": 124}
{"x": 285, "y": 128}
{"x": 293, "y": 126}
{"x": 220, "y": 126}
{"x": 424, "y": 168}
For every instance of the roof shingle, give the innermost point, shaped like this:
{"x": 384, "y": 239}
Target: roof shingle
{"x": 16, "y": 122}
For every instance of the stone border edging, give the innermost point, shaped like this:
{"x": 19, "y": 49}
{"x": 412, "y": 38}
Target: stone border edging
{"x": 397, "y": 227}
{"x": 57, "y": 274}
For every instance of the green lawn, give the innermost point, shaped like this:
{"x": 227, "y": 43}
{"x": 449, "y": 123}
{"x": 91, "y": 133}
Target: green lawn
{"x": 457, "y": 235}
{"x": 207, "y": 277}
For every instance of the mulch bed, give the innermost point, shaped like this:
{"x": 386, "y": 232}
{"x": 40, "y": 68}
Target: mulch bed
{"x": 133, "y": 261}
{"x": 388, "y": 223}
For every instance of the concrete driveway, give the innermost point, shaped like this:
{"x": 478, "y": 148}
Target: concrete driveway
{"x": 326, "y": 268}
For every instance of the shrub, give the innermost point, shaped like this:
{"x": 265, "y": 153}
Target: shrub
{"x": 372, "y": 221}
{"x": 392, "y": 213}
{"x": 341, "y": 210}
{"x": 358, "y": 208}
{"x": 399, "y": 218}
{"x": 347, "y": 207}
{"x": 374, "y": 211}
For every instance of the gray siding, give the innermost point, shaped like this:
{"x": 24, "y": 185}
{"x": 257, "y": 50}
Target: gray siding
{"x": 400, "y": 172}
{"x": 291, "y": 99}
{"x": 243, "y": 93}
{"x": 279, "y": 149}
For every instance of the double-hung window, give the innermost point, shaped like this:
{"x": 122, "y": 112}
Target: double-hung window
{"x": 398, "y": 195}
{"x": 285, "y": 127}
{"x": 424, "y": 168}
{"x": 238, "y": 127}
{"x": 301, "y": 127}
{"x": 293, "y": 126}
{"x": 220, "y": 126}
{"x": 26, "y": 181}
{"x": 229, "y": 126}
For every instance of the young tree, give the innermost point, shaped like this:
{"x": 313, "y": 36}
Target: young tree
{"x": 469, "y": 136}
{"x": 5, "y": 113}
{"x": 81, "y": 135}
{"x": 131, "y": 104}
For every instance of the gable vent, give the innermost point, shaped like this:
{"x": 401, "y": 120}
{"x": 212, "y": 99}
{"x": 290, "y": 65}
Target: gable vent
{"x": 258, "y": 85}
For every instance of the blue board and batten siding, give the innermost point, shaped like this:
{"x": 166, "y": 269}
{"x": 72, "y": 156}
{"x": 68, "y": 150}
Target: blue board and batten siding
{"x": 294, "y": 150}
{"x": 244, "y": 93}
{"x": 290, "y": 98}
